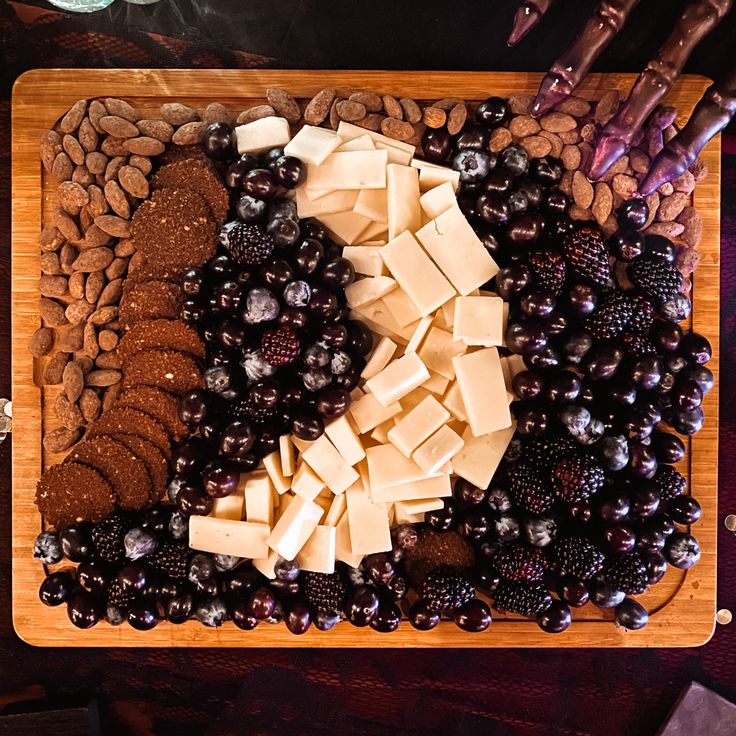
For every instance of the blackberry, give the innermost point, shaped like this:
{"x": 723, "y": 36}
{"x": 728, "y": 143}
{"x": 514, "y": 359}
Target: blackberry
{"x": 637, "y": 346}
{"x": 587, "y": 255}
{"x": 516, "y": 562}
{"x": 655, "y": 277}
{"x": 446, "y": 589}
{"x": 669, "y": 482}
{"x": 547, "y": 451}
{"x": 108, "y": 537}
{"x": 324, "y": 592}
{"x": 548, "y": 268}
{"x": 579, "y": 557}
{"x": 642, "y": 315}
{"x": 247, "y": 244}
{"x": 627, "y": 573}
{"x": 611, "y": 316}
{"x": 256, "y": 415}
{"x": 280, "y": 346}
{"x": 118, "y": 597}
{"x": 529, "y": 488}
{"x": 576, "y": 478}
{"x": 526, "y": 598}
{"x": 171, "y": 558}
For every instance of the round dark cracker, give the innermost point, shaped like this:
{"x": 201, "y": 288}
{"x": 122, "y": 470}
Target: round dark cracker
{"x": 132, "y": 421}
{"x": 152, "y": 457}
{"x": 71, "y": 492}
{"x": 146, "y": 271}
{"x": 175, "y": 226}
{"x": 161, "y": 405}
{"x": 161, "y": 334}
{"x": 122, "y": 469}
{"x": 150, "y": 300}
{"x": 194, "y": 175}
{"x": 172, "y": 154}
{"x": 169, "y": 370}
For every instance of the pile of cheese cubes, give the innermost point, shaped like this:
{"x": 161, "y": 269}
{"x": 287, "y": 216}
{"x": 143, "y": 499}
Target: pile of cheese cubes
{"x": 435, "y": 399}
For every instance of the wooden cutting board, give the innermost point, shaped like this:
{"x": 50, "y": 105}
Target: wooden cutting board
{"x": 682, "y": 605}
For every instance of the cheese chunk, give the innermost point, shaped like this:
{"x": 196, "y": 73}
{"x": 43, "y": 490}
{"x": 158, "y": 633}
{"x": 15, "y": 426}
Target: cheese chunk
{"x": 336, "y": 510}
{"x": 402, "y": 309}
{"x": 328, "y": 204}
{"x": 299, "y": 443}
{"x": 438, "y": 200}
{"x": 272, "y": 463}
{"x": 346, "y": 227}
{"x": 432, "y": 454}
{"x": 375, "y": 234}
{"x": 318, "y": 552}
{"x": 329, "y": 465}
{"x": 402, "y": 184}
{"x": 306, "y": 483}
{"x": 343, "y": 550}
{"x": 313, "y": 144}
{"x": 398, "y": 378}
{"x": 367, "y": 290}
{"x": 367, "y": 413}
{"x": 266, "y": 565}
{"x": 420, "y": 506}
{"x": 436, "y": 383}
{"x": 361, "y": 143}
{"x": 437, "y": 487}
{"x": 478, "y": 459}
{"x": 228, "y": 537}
{"x": 342, "y": 435}
{"x": 418, "y": 425}
{"x": 416, "y": 274}
{"x": 387, "y": 467}
{"x": 379, "y": 319}
{"x": 369, "y": 527}
{"x": 438, "y": 351}
{"x": 348, "y": 132}
{"x": 420, "y": 332}
{"x": 373, "y": 204}
{"x": 453, "y": 401}
{"x": 479, "y": 320}
{"x": 294, "y": 527}
{"x": 350, "y": 170}
{"x": 483, "y": 389}
{"x": 259, "y": 499}
{"x": 457, "y": 250}
{"x": 433, "y": 175}
{"x": 380, "y": 357}
{"x": 288, "y": 461}
{"x": 380, "y": 433}
{"x": 260, "y": 135}
{"x": 366, "y": 259}
{"x": 229, "y": 507}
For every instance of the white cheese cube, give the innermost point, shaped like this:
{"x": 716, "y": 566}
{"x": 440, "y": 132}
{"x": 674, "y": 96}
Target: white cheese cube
{"x": 402, "y": 309}
{"x": 260, "y": 135}
{"x": 342, "y": 435}
{"x": 453, "y": 401}
{"x": 361, "y": 143}
{"x": 318, "y": 552}
{"x": 228, "y": 507}
{"x": 272, "y": 463}
{"x": 483, "y": 389}
{"x": 286, "y": 451}
{"x": 266, "y": 565}
{"x": 228, "y": 537}
{"x": 333, "y": 203}
{"x": 480, "y": 456}
{"x": 343, "y": 550}
{"x": 367, "y": 290}
{"x": 306, "y": 483}
{"x": 438, "y": 200}
{"x": 367, "y": 413}
{"x": 350, "y": 170}
{"x": 373, "y": 204}
{"x": 366, "y": 259}
{"x": 368, "y": 523}
{"x": 346, "y": 227}
{"x": 457, "y": 250}
{"x": 336, "y": 510}
{"x": 294, "y": 527}
{"x": 380, "y": 433}
{"x": 479, "y": 320}
{"x": 433, "y": 175}
{"x": 436, "y": 383}
{"x": 259, "y": 499}
{"x": 420, "y": 332}
{"x": 418, "y": 425}
{"x": 402, "y": 183}
{"x": 380, "y": 357}
{"x": 432, "y": 454}
{"x": 438, "y": 351}
{"x": 312, "y": 144}
{"x": 387, "y": 467}
{"x": 416, "y": 274}
{"x": 329, "y": 465}
{"x": 437, "y": 487}
{"x": 398, "y": 378}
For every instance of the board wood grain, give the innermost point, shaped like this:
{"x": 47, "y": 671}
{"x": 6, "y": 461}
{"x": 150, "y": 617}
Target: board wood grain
{"x": 682, "y": 605}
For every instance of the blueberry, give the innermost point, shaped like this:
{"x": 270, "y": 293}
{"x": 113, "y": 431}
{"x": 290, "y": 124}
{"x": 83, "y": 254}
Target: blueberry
{"x": 282, "y": 209}
{"x": 514, "y": 159}
{"x": 682, "y": 550}
{"x": 201, "y": 567}
{"x": 284, "y": 232}
{"x": 507, "y": 528}
{"x": 472, "y": 164}
{"x": 327, "y": 621}
{"x": 139, "y": 543}
{"x": 316, "y": 356}
{"x": 576, "y": 419}
{"x": 218, "y": 378}
{"x": 260, "y": 306}
{"x": 175, "y": 485}
{"x": 340, "y": 363}
{"x": 250, "y": 209}
{"x": 114, "y": 616}
{"x": 178, "y": 525}
{"x": 592, "y": 433}
{"x": 499, "y": 499}
{"x": 540, "y": 531}
{"x": 675, "y": 309}
{"x": 212, "y": 612}
{"x": 226, "y": 562}
{"x": 256, "y": 366}
{"x": 315, "y": 380}
{"x": 286, "y": 569}
{"x": 297, "y": 294}
{"x": 47, "y": 548}
{"x": 614, "y": 452}
{"x": 406, "y": 536}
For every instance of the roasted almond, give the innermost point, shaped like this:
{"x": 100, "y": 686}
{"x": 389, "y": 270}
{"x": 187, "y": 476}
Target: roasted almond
{"x": 114, "y": 146}
{"x": 77, "y": 283}
{"x": 71, "y": 121}
{"x": 67, "y": 412}
{"x": 158, "y": 129}
{"x": 177, "y": 114}
{"x": 73, "y": 381}
{"x": 61, "y": 439}
{"x": 412, "y": 111}
{"x": 53, "y": 286}
{"x": 142, "y": 163}
{"x": 258, "y": 112}
{"x": 456, "y": 118}
{"x": 52, "y": 312}
{"x": 97, "y": 110}
{"x": 62, "y": 168}
{"x": 216, "y": 112}
{"x": 73, "y": 149}
{"x": 188, "y": 135}
{"x": 54, "y": 369}
{"x": 51, "y": 147}
{"x": 397, "y": 129}
{"x": 111, "y": 293}
{"x": 96, "y": 162}
{"x": 350, "y": 111}
{"x": 391, "y": 107}
{"x": 145, "y": 146}
{"x": 42, "y": 342}
{"x": 318, "y": 107}
{"x": 51, "y": 239}
{"x": 103, "y": 377}
{"x": 523, "y": 125}
{"x": 536, "y": 146}
{"x": 82, "y": 175}
{"x": 133, "y": 181}
{"x": 108, "y": 340}
{"x": 118, "y": 227}
{"x": 72, "y": 196}
{"x": 78, "y": 311}
{"x": 284, "y": 104}
{"x": 93, "y": 287}
{"x": 370, "y": 100}
{"x": 434, "y": 117}
{"x": 50, "y": 264}
{"x": 90, "y": 346}
{"x": 90, "y": 405}
{"x": 72, "y": 339}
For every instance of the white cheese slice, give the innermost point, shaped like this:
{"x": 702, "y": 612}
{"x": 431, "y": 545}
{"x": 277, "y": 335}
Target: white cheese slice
{"x": 398, "y": 378}
{"x": 420, "y": 332}
{"x": 228, "y": 537}
{"x": 433, "y": 175}
{"x": 438, "y": 351}
{"x": 294, "y": 527}
{"x": 342, "y": 435}
{"x": 373, "y": 204}
{"x": 379, "y": 319}
{"x": 416, "y": 274}
{"x": 404, "y": 213}
{"x": 380, "y": 357}
{"x": 367, "y": 290}
{"x": 420, "y": 506}
{"x": 366, "y": 259}
{"x": 479, "y": 320}
{"x": 441, "y": 447}
{"x": 387, "y": 467}
{"x": 457, "y": 250}
{"x": 453, "y": 402}
{"x": 437, "y": 487}
{"x": 350, "y": 170}
{"x": 272, "y": 463}
{"x": 260, "y": 135}
{"x": 328, "y": 204}
{"x": 318, "y": 552}
{"x": 375, "y": 234}
{"x": 312, "y": 144}
{"x": 483, "y": 389}
{"x": 402, "y": 309}
{"x": 436, "y": 383}
{"x": 336, "y": 510}
{"x": 343, "y": 550}
{"x": 228, "y": 507}
{"x": 361, "y": 143}
{"x": 367, "y": 413}
{"x": 286, "y": 450}
{"x": 438, "y": 200}
{"x": 418, "y": 425}
{"x": 368, "y": 522}
{"x": 380, "y": 433}
{"x": 480, "y": 456}
{"x": 348, "y": 131}
{"x": 329, "y": 465}
{"x": 259, "y": 499}
{"x": 345, "y": 227}
{"x": 306, "y": 482}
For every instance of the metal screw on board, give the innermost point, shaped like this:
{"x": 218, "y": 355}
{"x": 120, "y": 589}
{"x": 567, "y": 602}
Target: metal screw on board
{"x": 730, "y": 522}
{"x": 6, "y": 418}
{"x": 724, "y": 616}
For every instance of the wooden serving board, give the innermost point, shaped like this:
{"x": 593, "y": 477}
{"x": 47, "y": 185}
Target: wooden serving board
{"x": 682, "y": 605}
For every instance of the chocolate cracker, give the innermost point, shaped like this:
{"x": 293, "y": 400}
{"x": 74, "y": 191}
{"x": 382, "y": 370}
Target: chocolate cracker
{"x": 170, "y": 370}
{"x": 150, "y": 300}
{"x": 146, "y": 271}
{"x": 152, "y": 457}
{"x": 162, "y": 406}
{"x": 132, "y": 421}
{"x": 161, "y": 334}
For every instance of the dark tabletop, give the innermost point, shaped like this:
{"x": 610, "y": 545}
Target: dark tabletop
{"x": 453, "y": 693}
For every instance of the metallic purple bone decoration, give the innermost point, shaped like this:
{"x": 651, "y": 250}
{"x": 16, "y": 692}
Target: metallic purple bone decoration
{"x": 527, "y": 17}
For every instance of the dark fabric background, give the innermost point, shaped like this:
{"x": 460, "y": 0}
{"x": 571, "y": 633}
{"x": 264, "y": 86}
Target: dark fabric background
{"x": 453, "y": 693}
